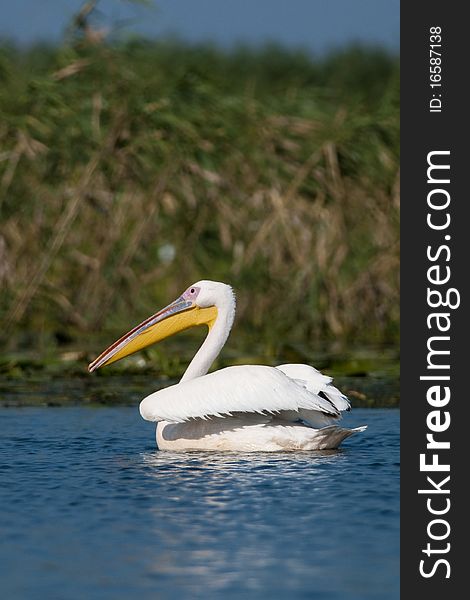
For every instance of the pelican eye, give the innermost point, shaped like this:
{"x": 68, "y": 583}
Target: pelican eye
{"x": 192, "y": 290}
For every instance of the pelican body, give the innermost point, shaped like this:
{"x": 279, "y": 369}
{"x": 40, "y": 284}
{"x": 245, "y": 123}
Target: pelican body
{"x": 239, "y": 408}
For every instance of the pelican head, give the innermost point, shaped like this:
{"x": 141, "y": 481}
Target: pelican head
{"x": 199, "y": 304}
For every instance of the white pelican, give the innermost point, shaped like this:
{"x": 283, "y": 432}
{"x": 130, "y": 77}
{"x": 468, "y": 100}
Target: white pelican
{"x": 239, "y": 408}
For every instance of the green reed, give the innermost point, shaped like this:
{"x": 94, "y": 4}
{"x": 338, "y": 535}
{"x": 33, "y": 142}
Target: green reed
{"x": 129, "y": 171}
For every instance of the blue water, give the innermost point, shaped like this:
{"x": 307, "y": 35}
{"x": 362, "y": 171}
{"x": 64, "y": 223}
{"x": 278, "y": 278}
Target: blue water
{"x": 89, "y": 508}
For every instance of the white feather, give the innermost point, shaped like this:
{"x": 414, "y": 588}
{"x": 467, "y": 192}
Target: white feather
{"x": 241, "y": 389}
{"x": 316, "y": 382}
{"x": 248, "y": 433}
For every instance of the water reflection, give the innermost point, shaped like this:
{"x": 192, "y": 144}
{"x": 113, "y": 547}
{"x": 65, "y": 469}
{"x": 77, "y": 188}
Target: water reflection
{"x": 234, "y": 461}
{"x": 263, "y": 515}
{"x": 230, "y": 512}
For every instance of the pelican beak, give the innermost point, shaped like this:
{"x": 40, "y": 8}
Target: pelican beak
{"x": 177, "y": 316}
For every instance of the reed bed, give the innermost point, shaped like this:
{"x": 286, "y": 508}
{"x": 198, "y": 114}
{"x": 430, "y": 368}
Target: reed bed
{"x": 129, "y": 171}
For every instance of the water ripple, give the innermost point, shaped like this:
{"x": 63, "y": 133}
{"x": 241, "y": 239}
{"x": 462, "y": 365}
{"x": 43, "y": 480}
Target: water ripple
{"x": 94, "y": 510}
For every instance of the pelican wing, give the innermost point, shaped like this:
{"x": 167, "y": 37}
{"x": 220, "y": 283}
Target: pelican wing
{"x": 317, "y": 383}
{"x": 238, "y": 389}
